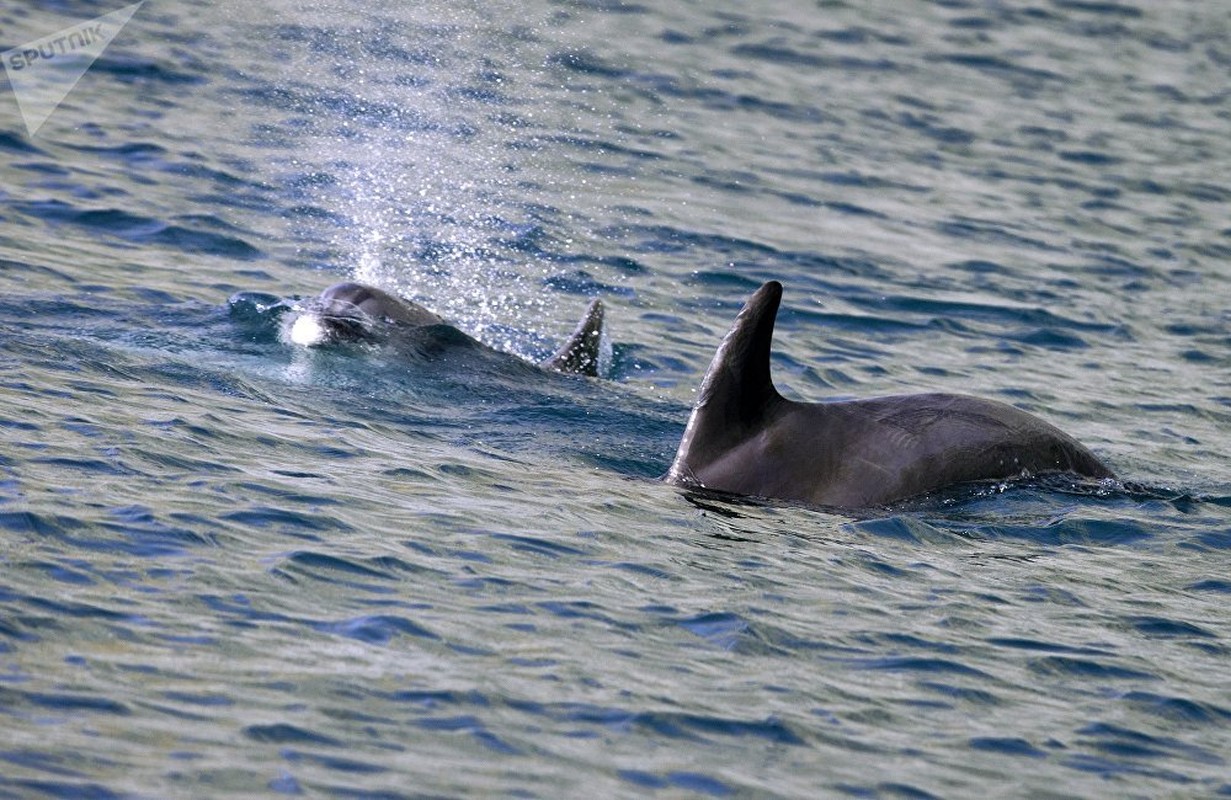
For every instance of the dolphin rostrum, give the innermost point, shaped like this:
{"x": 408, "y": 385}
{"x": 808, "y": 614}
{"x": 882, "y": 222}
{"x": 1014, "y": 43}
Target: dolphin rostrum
{"x": 349, "y": 312}
{"x": 745, "y": 438}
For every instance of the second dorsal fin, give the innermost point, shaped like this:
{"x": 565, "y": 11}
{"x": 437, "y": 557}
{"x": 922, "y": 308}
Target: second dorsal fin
{"x": 580, "y": 355}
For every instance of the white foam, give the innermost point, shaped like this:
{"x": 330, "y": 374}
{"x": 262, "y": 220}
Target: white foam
{"x": 308, "y": 331}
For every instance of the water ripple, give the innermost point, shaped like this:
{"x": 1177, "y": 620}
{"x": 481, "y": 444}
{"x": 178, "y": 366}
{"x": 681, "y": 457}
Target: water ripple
{"x": 194, "y": 233}
{"x": 232, "y": 568}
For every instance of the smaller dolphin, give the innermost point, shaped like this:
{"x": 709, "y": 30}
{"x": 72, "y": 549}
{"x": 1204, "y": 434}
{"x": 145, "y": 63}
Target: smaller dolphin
{"x": 745, "y": 438}
{"x": 354, "y": 312}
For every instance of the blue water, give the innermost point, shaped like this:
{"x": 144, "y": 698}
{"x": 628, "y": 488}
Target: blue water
{"x": 229, "y": 569}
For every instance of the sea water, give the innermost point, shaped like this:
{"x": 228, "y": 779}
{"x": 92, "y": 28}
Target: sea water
{"x": 234, "y": 568}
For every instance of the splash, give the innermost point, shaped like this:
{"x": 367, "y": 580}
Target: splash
{"x": 428, "y": 133}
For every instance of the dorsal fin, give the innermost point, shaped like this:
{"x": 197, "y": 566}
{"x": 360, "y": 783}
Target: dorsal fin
{"x": 737, "y": 389}
{"x": 738, "y": 385}
{"x": 580, "y": 354}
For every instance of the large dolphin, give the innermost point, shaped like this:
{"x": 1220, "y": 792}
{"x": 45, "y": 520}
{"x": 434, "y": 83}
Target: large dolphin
{"x": 350, "y": 312}
{"x": 745, "y": 438}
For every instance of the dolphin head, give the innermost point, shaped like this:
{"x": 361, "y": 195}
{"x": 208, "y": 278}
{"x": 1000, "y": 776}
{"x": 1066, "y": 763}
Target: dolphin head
{"x": 352, "y": 312}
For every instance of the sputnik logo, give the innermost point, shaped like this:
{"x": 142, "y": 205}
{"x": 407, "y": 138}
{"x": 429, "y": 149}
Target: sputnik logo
{"x": 44, "y": 71}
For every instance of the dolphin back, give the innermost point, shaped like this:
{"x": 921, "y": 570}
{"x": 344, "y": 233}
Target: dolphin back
{"x": 745, "y": 438}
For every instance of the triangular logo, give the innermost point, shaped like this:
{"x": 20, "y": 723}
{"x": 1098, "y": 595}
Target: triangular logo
{"x": 45, "y": 70}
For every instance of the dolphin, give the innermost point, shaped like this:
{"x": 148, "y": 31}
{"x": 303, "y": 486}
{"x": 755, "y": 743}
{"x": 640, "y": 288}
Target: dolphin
{"x": 745, "y": 438}
{"x": 355, "y": 312}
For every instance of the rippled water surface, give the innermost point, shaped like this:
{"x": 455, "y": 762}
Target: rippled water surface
{"x": 231, "y": 569}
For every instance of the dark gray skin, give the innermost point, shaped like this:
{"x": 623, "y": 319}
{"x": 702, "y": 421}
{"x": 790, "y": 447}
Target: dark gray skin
{"x": 351, "y": 312}
{"x": 745, "y": 438}
{"x": 347, "y": 304}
